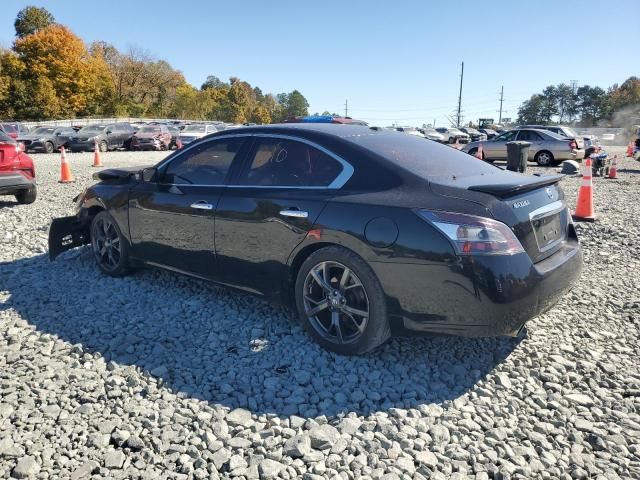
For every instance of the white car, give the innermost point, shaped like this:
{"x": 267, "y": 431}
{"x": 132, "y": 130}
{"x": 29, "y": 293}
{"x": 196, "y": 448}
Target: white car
{"x": 193, "y": 132}
{"x": 431, "y": 134}
{"x": 451, "y": 135}
{"x": 409, "y": 130}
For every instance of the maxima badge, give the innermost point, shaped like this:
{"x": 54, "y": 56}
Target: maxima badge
{"x": 521, "y": 203}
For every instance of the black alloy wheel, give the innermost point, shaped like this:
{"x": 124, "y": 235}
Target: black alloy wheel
{"x": 341, "y": 301}
{"x": 109, "y": 247}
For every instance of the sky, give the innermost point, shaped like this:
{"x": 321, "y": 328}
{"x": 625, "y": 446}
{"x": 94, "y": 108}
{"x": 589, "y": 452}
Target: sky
{"x": 394, "y": 62}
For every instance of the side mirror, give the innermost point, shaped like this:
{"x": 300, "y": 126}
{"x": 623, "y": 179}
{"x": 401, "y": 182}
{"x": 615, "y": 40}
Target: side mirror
{"x": 109, "y": 132}
{"x": 148, "y": 174}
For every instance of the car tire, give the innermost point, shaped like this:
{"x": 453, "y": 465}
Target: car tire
{"x": 103, "y": 146}
{"x": 452, "y": 140}
{"x": 359, "y": 292}
{"x": 49, "y": 147}
{"x": 25, "y": 197}
{"x": 544, "y": 158}
{"x": 110, "y": 248}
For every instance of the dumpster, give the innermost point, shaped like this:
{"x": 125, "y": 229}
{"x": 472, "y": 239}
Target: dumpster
{"x": 517, "y": 156}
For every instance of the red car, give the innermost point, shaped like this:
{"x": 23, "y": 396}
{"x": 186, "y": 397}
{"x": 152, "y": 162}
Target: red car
{"x": 17, "y": 173}
{"x": 151, "y": 137}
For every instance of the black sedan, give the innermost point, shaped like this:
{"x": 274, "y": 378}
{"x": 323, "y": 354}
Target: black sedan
{"x": 46, "y": 139}
{"x": 367, "y": 232}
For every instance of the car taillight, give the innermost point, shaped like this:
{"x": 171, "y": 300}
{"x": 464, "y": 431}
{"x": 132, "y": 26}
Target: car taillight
{"x": 473, "y": 235}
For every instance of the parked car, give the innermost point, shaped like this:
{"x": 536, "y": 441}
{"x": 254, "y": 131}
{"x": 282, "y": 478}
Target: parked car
{"x": 431, "y": 134}
{"x": 174, "y": 130}
{"x": 451, "y": 135}
{"x": 475, "y": 135}
{"x": 566, "y": 132}
{"x": 489, "y": 132}
{"x": 608, "y": 138}
{"x": 367, "y": 233}
{"x": 151, "y": 137}
{"x": 109, "y": 137}
{"x": 547, "y": 148}
{"x": 408, "y": 130}
{"x": 17, "y": 173}
{"x": 193, "y": 132}
{"x": 325, "y": 119}
{"x": 590, "y": 141}
{"x": 13, "y": 129}
{"x": 46, "y": 139}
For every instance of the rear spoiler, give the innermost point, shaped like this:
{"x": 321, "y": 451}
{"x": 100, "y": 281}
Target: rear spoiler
{"x": 503, "y": 190}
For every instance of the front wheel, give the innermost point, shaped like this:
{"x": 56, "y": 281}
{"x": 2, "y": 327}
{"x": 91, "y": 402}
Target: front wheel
{"x": 109, "y": 246}
{"x": 49, "y": 147}
{"x": 103, "y": 146}
{"x": 341, "y": 302}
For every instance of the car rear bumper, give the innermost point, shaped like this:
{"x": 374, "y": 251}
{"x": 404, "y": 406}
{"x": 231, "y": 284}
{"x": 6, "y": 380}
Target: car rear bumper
{"x": 13, "y": 182}
{"x": 479, "y": 296}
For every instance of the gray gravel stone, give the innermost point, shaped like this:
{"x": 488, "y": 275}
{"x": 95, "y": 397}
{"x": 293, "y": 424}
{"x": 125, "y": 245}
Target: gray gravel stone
{"x": 323, "y": 436}
{"x": 114, "y": 459}
{"x": 27, "y": 467}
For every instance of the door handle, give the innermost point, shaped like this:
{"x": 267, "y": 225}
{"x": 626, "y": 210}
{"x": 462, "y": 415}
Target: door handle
{"x": 294, "y": 212}
{"x": 202, "y": 205}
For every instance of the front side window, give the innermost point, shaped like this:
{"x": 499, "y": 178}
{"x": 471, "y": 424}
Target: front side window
{"x": 506, "y": 137}
{"x": 204, "y": 164}
{"x": 288, "y": 163}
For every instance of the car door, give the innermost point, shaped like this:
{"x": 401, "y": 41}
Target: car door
{"x": 171, "y": 219}
{"x": 537, "y": 141}
{"x": 269, "y": 209}
{"x": 496, "y": 149}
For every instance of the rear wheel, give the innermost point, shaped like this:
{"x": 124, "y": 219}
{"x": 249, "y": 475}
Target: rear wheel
{"x": 341, "y": 302}
{"x": 26, "y": 197}
{"x": 544, "y": 158}
{"x": 109, "y": 246}
{"x": 49, "y": 147}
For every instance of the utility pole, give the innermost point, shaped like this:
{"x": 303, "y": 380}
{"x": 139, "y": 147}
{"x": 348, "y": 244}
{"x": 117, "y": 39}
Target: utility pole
{"x": 346, "y": 107}
{"x": 501, "y": 100}
{"x": 460, "y": 97}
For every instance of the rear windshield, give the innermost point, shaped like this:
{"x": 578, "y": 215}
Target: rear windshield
{"x": 425, "y": 159}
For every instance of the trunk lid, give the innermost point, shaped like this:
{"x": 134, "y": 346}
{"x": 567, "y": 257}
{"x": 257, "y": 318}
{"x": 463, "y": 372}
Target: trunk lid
{"x": 532, "y": 206}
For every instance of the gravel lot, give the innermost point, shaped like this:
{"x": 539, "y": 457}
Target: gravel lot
{"x": 160, "y": 376}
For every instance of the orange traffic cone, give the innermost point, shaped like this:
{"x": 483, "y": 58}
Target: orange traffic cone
{"x": 584, "y": 208}
{"x": 178, "y": 143}
{"x": 65, "y": 169}
{"x": 630, "y": 149}
{"x": 479, "y": 151}
{"x": 97, "y": 161}
{"x": 613, "y": 170}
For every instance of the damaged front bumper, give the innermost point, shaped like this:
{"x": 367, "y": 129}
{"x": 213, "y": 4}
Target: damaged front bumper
{"x": 66, "y": 233}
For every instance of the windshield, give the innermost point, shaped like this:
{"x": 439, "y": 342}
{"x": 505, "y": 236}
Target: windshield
{"x": 7, "y": 127}
{"x": 472, "y": 130}
{"x": 428, "y": 160}
{"x": 4, "y": 138}
{"x": 43, "y": 131}
{"x": 194, "y": 129}
{"x": 91, "y": 130}
{"x": 150, "y": 130}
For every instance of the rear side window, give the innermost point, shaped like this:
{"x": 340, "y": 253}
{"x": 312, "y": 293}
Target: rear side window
{"x": 204, "y": 164}
{"x": 529, "y": 136}
{"x": 287, "y": 163}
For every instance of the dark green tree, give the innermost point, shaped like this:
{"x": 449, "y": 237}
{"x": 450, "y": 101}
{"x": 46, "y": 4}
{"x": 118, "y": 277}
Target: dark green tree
{"x": 31, "y": 20}
{"x": 213, "y": 82}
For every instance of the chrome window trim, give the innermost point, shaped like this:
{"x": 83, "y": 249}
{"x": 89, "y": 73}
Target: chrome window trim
{"x": 337, "y": 183}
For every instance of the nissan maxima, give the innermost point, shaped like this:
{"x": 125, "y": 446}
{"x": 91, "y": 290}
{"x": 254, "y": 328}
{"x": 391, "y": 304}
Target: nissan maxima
{"x": 366, "y": 232}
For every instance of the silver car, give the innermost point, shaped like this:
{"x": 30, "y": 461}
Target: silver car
{"x": 563, "y": 131}
{"x": 547, "y": 148}
{"x": 193, "y": 132}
